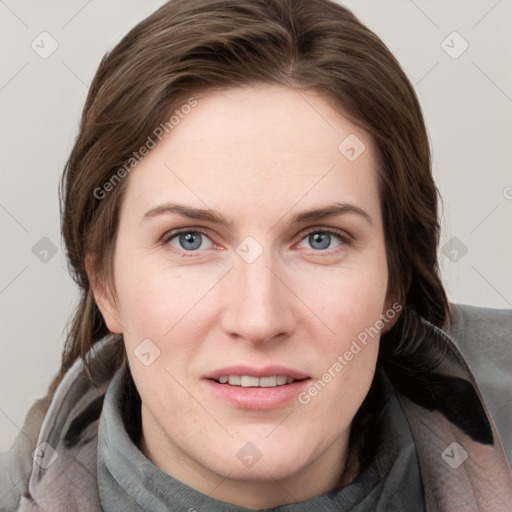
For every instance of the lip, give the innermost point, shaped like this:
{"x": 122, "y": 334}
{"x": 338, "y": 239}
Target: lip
{"x": 256, "y": 398}
{"x": 265, "y": 371}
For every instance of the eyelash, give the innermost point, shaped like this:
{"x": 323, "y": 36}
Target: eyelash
{"x": 344, "y": 237}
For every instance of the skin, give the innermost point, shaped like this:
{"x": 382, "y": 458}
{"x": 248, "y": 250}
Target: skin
{"x": 258, "y": 156}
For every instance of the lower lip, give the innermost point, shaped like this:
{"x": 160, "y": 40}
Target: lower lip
{"x": 257, "y": 398}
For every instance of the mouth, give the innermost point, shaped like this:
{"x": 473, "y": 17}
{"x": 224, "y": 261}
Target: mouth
{"x": 247, "y": 387}
{"x": 249, "y": 381}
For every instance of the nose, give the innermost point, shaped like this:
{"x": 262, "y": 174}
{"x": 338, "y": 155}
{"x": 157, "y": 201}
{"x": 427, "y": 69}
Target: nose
{"x": 259, "y": 306}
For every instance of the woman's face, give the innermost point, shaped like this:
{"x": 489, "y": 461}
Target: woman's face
{"x": 251, "y": 249}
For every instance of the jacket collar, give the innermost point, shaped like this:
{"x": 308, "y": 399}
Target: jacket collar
{"x": 459, "y": 472}
{"x": 462, "y": 459}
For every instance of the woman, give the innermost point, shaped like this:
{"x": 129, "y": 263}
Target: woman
{"x": 250, "y": 213}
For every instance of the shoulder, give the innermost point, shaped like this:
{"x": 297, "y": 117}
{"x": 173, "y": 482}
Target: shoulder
{"x": 16, "y": 464}
{"x": 473, "y": 321}
{"x": 484, "y": 337}
{"x": 68, "y": 425}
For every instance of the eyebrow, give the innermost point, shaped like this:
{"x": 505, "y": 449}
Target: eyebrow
{"x": 214, "y": 217}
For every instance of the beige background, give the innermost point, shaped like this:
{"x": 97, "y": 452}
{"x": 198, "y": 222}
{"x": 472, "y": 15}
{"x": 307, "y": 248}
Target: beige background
{"x": 467, "y": 103}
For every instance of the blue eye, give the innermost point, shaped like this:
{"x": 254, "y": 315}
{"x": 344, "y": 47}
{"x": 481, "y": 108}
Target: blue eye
{"x": 189, "y": 240}
{"x": 321, "y": 240}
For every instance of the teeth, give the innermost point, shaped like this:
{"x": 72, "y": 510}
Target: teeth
{"x": 235, "y": 380}
{"x": 269, "y": 382}
{"x": 247, "y": 381}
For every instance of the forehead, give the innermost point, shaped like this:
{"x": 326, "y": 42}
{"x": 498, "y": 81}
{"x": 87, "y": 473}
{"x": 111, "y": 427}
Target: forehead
{"x": 258, "y": 149}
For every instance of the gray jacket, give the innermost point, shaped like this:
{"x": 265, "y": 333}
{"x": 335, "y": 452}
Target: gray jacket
{"x": 460, "y": 417}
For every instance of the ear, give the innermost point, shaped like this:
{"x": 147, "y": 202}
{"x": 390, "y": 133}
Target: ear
{"x": 106, "y": 304}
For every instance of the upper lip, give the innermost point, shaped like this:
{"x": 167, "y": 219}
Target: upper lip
{"x": 265, "y": 371}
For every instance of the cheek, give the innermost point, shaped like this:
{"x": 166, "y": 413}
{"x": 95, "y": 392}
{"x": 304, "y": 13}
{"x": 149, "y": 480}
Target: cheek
{"x": 153, "y": 297}
{"x": 346, "y": 300}
{"x": 174, "y": 309}
{"x": 349, "y": 302}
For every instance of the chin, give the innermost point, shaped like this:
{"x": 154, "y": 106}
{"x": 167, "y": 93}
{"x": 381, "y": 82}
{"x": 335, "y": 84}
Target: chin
{"x": 273, "y": 468}
{"x": 259, "y": 459}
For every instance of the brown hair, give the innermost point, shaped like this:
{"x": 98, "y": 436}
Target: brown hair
{"x": 191, "y": 46}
